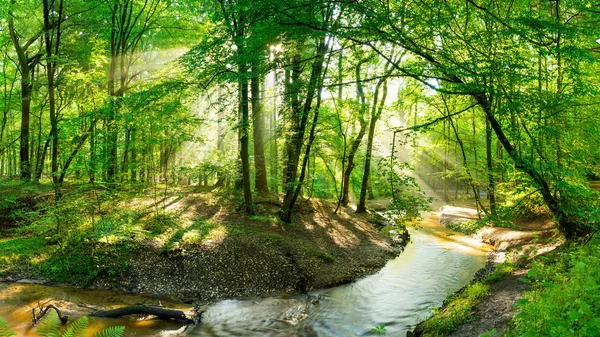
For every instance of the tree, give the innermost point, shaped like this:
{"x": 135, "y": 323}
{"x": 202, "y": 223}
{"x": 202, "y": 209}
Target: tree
{"x": 451, "y": 46}
{"x": 26, "y": 63}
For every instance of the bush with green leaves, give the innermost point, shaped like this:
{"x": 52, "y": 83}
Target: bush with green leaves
{"x": 51, "y": 326}
{"x": 564, "y": 297}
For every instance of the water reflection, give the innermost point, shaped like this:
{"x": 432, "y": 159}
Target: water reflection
{"x": 436, "y": 263}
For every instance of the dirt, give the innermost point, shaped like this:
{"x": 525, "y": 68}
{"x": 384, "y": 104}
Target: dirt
{"x": 497, "y": 310}
{"x": 319, "y": 249}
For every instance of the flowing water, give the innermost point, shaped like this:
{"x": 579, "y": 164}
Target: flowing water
{"x": 436, "y": 263}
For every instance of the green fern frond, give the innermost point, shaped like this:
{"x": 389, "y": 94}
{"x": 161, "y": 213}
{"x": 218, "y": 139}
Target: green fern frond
{"x": 76, "y": 328}
{"x": 114, "y": 331}
{"x": 49, "y": 326}
{"x": 5, "y": 330}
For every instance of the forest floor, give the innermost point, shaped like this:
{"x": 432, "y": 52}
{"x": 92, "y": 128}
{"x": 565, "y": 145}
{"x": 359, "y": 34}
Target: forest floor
{"x": 514, "y": 248}
{"x": 184, "y": 242}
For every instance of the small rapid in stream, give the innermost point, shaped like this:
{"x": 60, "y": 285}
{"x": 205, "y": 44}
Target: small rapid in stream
{"x": 437, "y": 262}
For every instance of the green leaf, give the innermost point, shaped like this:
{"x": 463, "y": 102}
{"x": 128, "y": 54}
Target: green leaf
{"x": 5, "y": 329}
{"x": 522, "y": 302}
{"x": 549, "y": 284}
{"x": 575, "y": 315}
{"x": 114, "y": 331}
{"x": 524, "y": 280}
{"x": 76, "y": 328}
{"x": 49, "y": 326}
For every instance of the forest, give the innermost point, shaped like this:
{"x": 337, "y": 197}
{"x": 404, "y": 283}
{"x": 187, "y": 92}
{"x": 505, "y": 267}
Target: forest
{"x": 293, "y": 142}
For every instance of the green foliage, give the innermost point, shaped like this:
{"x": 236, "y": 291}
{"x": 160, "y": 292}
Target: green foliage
{"x": 467, "y": 227}
{"x": 75, "y": 329}
{"x": 457, "y": 310}
{"x": 5, "y": 329}
{"x": 380, "y": 330}
{"x": 114, "y": 331}
{"x": 503, "y": 269}
{"x": 50, "y": 326}
{"x": 564, "y": 296}
{"x": 321, "y": 254}
{"x": 489, "y": 333}
{"x": 160, "y": 224}
{"x": 408, "y": 199}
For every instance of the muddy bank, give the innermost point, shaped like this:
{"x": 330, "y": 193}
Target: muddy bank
{"x": 319, "y": 249}
{"x": 245, "y": 256}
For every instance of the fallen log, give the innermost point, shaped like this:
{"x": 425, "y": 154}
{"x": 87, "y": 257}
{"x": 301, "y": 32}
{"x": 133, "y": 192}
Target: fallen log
{"x": 159, "y": 312}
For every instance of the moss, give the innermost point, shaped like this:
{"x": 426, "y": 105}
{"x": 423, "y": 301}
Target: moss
{"x": 458, "y": 307}
{"x": 17, "y": 252}
{"x": 456, "y": 312}
{"x": 323, "y": 255}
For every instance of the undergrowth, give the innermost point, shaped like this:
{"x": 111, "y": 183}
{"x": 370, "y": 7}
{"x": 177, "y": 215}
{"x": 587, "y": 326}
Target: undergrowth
{"x": 51, "y": 326}
{"x": 564, "y": 297}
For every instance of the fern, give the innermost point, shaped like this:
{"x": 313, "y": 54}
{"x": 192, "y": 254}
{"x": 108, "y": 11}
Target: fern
{"x": 4, "y": 329}
{"x": 49, "y": 326}
{"x": 76, "y": 328}
{"x": 114, "y": 331}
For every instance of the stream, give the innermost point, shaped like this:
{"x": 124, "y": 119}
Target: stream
{"x": 437, "y": 262}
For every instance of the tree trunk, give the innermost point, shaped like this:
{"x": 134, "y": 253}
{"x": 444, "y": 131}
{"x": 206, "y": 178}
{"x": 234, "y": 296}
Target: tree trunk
{"x": 375, "y": 115}
{"x": 358, "y": 139}
{"x": 244, "y": 117}
{"x": 52, "y": 45}
{"x": 490, "y": 168}
{"x": 26, "y": 65}
{"x": 133, "y": 169}
{"x": 297, "y": 139}
{"x": 258, "y": 124}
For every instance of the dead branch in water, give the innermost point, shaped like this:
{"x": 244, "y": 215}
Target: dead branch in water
{"x": 159, "y": 312}
{"x": 43, "y": 312}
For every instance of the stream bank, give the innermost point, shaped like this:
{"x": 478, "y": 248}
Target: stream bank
{"x": 192, "y": 245}
{"x": 499, "y": 282}
{"x": 436, "y": 262}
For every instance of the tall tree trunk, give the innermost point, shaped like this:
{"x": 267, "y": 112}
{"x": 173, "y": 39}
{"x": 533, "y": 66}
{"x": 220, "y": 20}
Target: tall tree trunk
{"x": 258, "y": 124}
{"x": 244, "y": 115}
{"x": 358, "y": 139}
{"x": 490, "y": 167}
{"x": 244, "y": 137}
{"x": 445, "y": 163}
{"x": 52, "y": 44}
{"x": 125, "y": 163}
{"x": 273, "y": 138}
{"x": 26, "y": 66}
{"x": 133, "y": 169}
{"x": 92, "y": 165}
{"x": 297, "y": 139}
{"x": 375, "y": 115}
{"x": 221, "y": 175}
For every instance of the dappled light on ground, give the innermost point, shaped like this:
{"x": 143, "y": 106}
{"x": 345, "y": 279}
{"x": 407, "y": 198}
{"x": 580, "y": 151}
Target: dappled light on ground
{"x": 399, "y": 295}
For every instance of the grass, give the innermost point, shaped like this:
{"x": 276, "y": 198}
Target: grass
{"x": 457, "y": 311}
{"x": 17, "y": 251}
{"x": 92, "y": 230}
{"x": 458, "y": 307}
{"x": 468, "y": 227}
